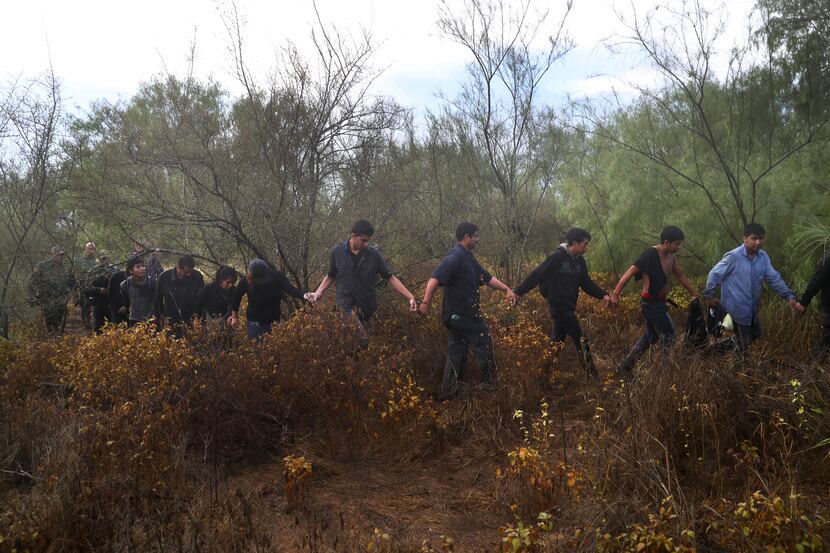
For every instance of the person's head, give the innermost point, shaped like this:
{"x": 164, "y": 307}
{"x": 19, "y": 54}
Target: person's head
{"x": 671, "y": 238}
{"x": 57, "y": 253}
{"x": 258, "y": 272}
{"x": 467, "y": 235}
{"x": 185, "y": 266}
{"x": 104, "y": 257}
{"x": 362, "y": 232}
{"x": 90, "y": 249}
{"x": 754, "y": 235}
{"x": 577, "y": 240}
{"x": 135, "y": 267}
{"x": 225, "y": 277}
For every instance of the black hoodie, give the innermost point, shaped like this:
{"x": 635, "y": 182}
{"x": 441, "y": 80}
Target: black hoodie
{"x": 212, "y": 301}
{"x": 819, "y": 283}
{"x": 559, "y": 278}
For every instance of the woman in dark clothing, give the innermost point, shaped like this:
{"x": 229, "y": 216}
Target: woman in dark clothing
{"x": 265, "y": 288}
{"x": 214, "y": 300}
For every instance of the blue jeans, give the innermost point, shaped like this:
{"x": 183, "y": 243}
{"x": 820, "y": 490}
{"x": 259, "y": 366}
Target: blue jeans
{"x": 659, "y": 328}
{"x": 257, "y": 329}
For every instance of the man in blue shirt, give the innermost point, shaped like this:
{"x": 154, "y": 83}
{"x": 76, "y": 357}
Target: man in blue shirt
{"x": 461, "y": 276}
{"x": 741, "y": 275}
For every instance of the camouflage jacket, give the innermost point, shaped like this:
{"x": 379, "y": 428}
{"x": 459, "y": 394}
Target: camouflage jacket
{"x": 51, "y": 283}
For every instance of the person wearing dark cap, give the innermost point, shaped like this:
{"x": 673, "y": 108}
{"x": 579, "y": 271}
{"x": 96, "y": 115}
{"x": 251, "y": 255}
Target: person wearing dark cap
{"x": 265, "y": 288}
{"x": 50, "y": 287}
{"x": 214, "y": 300}
{"x": 176, "y": 294}
{"x": 356, "y": 267}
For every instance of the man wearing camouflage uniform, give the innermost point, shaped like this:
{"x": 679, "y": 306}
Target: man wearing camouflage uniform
{"x": 82, "y": 267}
{"x": 50, "y": 287}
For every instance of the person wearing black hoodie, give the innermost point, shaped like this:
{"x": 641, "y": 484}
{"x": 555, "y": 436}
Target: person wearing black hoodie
{"x": 265, "y": 288}
{"x": 559, "y": 278}
{"x": 820, "y": 282}
{"x": 214, "y": 300}
{"x": 116, "y": 299}
{"x": 176, "y": 294}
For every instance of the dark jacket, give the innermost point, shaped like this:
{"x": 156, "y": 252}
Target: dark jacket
{"x": 265, "y": 296}
{"x": 819, "y": 283}
{"x": 116, "y": 299}
{"x": 212, "y": 301}
{"x": 97, "y": 287}
{"x": 559, "y": 279}
{"x": 175, "y": 297}
{"x": 357, "y": 276}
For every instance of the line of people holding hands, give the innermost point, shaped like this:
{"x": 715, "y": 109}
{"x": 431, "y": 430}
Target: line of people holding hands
{"x": 176, "y": 296}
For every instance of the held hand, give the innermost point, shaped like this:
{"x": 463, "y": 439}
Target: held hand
{"x": 413, "y": 305}
{"x": 310, "y": 297}
{"x": 614, "y": 298}
{"x": 233, "y": 321}
{"x": 606, "y": 299}
{"x": 423, "y": 309}
{"x": 511, "y": 297}
{"x": 795, "y": 306}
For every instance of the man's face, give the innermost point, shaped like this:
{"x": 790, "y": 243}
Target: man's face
{"x": 360, "y": 242}
{"x": 58, "y": 257}
{"x": 226, "y": 284}
{"x": 139, "y": 270}
{"x": 104, "y": 260}
{"x": 184, "y": 272}
{"x": 753, "y": 243}
{"x": 89, "y": 250}
{"x": 673, "y": 247}
{"x": 580, "y": 248}
{"x": 472, "y": 240}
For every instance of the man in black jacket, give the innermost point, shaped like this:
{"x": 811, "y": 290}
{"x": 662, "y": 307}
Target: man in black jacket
{"x": 820, "y": 283}
{"x": 96, "y": 291}
{"x": 559, "y": 279}
{"x": 176, "y": 294}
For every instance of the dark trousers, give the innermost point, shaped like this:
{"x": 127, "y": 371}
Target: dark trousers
{"x": 566, "y": 324}
{"x": 256, "y": 330}
{"x": 100, "y": 316}
{"x": 659, "y": 328}
{"x": 822, "y": 347}
{"x": 746, "y": 334}
{"x": 463, "y": 333}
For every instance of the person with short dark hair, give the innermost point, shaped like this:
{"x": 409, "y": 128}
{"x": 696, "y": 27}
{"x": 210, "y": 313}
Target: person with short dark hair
{"x": 82, "y": 267}
{"x": 355, "y": 267}
{"x": 461, "y": 276}
{"x": 138, "y": 291}
{"x": 741, "y": 274}
{"x": 820, "y": 282}
{"x": 265, "y": 288}
{"x": 214, "y": 300}
{"x": 655, "y": 266}
{"x": 559, "y": 278}
{"x": 176, "y": 294}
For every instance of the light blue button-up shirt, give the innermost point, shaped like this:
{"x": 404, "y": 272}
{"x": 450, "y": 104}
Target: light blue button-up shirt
{"x": 741, "y": 278}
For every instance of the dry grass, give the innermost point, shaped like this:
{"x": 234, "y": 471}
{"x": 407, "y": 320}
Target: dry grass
{"x": 135, "y": 441}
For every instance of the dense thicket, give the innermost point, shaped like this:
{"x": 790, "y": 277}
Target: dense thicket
{"x": 281, "y": 171}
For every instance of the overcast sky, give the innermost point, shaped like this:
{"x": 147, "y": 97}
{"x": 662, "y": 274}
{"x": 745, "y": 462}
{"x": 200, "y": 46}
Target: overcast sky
{"x": 103, "y": 49}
